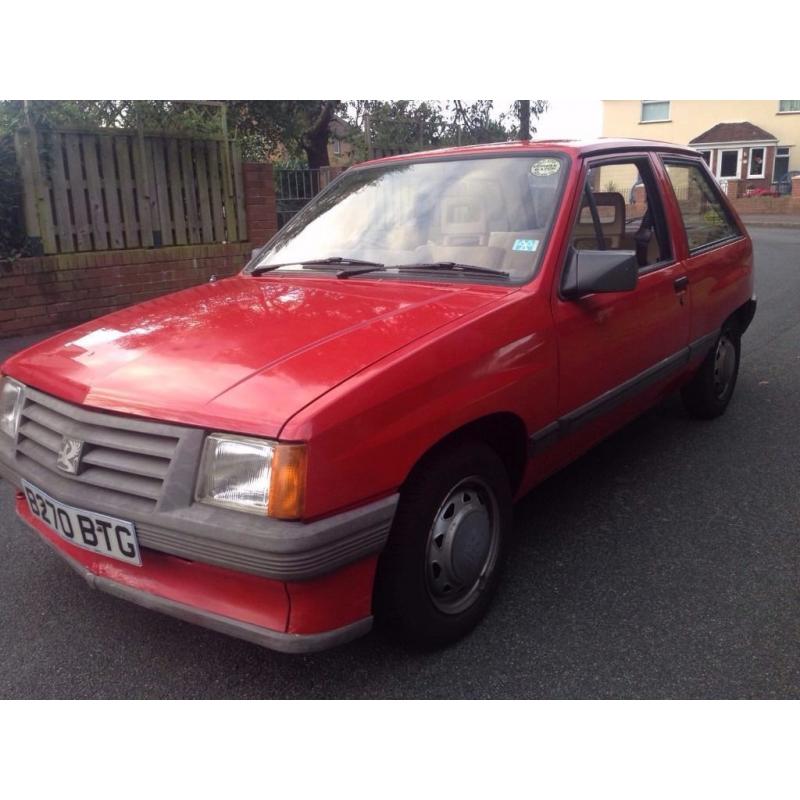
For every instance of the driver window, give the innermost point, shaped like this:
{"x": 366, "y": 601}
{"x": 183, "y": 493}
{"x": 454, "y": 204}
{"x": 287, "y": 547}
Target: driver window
{"x": 626, "y": 214}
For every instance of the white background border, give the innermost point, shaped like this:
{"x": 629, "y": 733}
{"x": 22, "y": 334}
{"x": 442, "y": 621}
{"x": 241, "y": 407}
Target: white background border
{"x": 642, "y": 750}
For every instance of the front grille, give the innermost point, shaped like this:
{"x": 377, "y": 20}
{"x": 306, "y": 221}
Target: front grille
{"x": 122, "y": 457}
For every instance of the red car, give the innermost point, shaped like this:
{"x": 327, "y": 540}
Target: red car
{"x": 339, "y": 431}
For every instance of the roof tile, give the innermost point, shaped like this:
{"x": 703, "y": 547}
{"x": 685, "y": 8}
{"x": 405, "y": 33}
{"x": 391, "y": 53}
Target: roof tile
{"x": 734, "y": 132}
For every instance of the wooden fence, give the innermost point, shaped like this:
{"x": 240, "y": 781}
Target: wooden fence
{"x": 120, "y": 189}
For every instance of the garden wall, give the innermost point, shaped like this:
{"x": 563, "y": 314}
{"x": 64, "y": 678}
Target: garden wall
{"x": 787, "y": 204}
{"x": 46, "y": 293}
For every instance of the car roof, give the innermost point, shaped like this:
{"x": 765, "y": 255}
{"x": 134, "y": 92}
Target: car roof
{"x": 574, "y": 147}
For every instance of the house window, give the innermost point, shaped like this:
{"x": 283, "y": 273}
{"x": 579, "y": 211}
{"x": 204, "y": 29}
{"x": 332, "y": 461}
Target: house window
{"x": 655, "y": 111}
{"x": 789, "y": 106}
{"x": 755, "y": 166}
{"x": 781, "y": 163}
{"x": 337, "y": 147}
{"x": 728, "y": 164}
{"x": 706, "y": 154}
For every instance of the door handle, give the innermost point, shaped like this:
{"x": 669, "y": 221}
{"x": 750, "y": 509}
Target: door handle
{"x": 681, "y": 283}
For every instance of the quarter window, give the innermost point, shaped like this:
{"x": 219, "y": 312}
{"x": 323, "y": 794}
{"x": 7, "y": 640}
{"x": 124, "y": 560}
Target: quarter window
{"x": 705, "y": 217}
{"x": 789, "y": 106}
{"x": 655, "y": 111}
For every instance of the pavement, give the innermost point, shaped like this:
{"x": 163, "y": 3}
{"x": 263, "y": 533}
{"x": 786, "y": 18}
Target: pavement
{"x": 663, "y": 564}
{"x": 10, "y": 346}
{"x": 771, "y": 220}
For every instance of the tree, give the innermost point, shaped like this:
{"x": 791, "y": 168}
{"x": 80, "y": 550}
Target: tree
{"x": 524, "y": 119}
{"x": 168, "y": 115}
{"x": 395, "y": 125}
{"x": 526, "y": 108}
{"x": 298, "y": 128}
{"x": 295, "y": 127}
{"x": 475, "y": 123}
{"x": 415, "y": 125}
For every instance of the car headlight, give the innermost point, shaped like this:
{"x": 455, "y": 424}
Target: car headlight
{"x": 10, "y": 406}
{"x": 254, "y": 475}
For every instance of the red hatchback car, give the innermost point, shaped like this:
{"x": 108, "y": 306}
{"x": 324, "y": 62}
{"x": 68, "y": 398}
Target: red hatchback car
{"x": 339, "y": 431}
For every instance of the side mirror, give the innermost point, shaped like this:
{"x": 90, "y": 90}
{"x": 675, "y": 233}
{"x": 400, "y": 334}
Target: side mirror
{"x": 590, "y": 271}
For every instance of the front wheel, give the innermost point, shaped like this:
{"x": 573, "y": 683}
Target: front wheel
{"x": 441, "y": 565}
{"x": 708, "y": 393}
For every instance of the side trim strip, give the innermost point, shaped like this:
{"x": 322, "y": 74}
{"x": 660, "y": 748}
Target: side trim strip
{"x": 574, "y": 420}
{"x": 619, "y": 394}
{"x": 701, "y": 346}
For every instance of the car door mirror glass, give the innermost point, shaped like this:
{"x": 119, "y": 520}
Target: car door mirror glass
{"x": 592, "y": 271}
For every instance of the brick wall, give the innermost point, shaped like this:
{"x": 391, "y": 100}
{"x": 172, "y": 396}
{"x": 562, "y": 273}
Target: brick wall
{"x": 767, "y": 205}
{"x": 52, "y": 292}
{"x": 259, "y": 191}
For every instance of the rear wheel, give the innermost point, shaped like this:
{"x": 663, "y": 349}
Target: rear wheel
{"x": 441, "y": 565}
{"x": 708, "y": 393}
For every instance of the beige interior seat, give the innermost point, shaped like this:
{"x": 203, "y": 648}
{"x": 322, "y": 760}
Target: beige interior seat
{"x": 463, "y": 222}
{"x": 611, "y": 210}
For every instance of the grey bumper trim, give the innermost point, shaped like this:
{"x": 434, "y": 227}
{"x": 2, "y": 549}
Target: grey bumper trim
{"x": 172, "y": 522}
{"x": 272, "y": 548}
{"x": 265, "y": 637}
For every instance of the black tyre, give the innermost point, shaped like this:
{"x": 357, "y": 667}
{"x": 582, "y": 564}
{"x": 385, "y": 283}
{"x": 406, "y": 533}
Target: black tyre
{"x": 708, "y": 393}
{"x": 442, "y": 562}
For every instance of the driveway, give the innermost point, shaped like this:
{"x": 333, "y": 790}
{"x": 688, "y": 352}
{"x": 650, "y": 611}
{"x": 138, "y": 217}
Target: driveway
{"x": 664, "y": 563}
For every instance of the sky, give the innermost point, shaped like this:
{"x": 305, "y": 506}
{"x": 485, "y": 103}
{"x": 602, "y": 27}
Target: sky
{"x": 564, "y": 119}
{"x": 570, "y": 119}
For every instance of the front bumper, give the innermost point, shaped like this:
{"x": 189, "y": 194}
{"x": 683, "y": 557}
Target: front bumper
{"x": 290, "y": 617}
{"x": 174, "y": 523}
{"x": 259, "y": 578}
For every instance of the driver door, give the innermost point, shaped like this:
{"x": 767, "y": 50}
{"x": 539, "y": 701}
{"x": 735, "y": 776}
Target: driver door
{"x": 611, "y": 342}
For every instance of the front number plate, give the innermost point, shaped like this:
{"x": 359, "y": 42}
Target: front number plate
{"x": 99, "y": 533}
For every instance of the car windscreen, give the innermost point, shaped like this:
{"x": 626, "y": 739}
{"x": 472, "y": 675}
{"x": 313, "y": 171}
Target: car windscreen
{"x": 488, "y": 212}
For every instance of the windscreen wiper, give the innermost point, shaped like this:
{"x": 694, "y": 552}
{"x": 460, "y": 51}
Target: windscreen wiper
{"x": 319, "y": 262}
{"x": 450, "y": 266}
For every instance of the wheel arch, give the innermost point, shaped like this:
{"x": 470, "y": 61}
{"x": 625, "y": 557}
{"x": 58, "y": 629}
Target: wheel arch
{"x": 503, "y": 431}
{"x": 743, "y": 316}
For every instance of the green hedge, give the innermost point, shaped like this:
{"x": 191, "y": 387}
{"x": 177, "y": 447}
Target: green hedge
{"x": 13, "y": 241}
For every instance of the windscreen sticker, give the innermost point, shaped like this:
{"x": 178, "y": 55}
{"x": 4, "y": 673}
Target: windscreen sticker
{"x": 543, "y": 167}
{"x": 526, "y": 245}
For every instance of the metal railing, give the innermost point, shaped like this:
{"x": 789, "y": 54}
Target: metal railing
{"x": 295, "y": 187}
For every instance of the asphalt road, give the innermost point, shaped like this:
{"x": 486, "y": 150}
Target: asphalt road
{"x": 664, "y": 563}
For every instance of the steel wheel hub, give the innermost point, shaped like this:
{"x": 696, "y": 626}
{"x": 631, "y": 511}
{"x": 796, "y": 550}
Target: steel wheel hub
{"x": 462, "y": 546}
{"x": 724, "y": 365}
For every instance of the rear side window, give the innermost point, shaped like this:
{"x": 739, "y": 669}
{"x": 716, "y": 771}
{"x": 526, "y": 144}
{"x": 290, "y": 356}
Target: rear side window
{"x": 705, "y": 217}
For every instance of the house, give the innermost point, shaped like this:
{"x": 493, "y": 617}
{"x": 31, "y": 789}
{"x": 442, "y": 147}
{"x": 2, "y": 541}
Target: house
{"x": 341, "y": 147}
{"x": 749, "y": 144}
